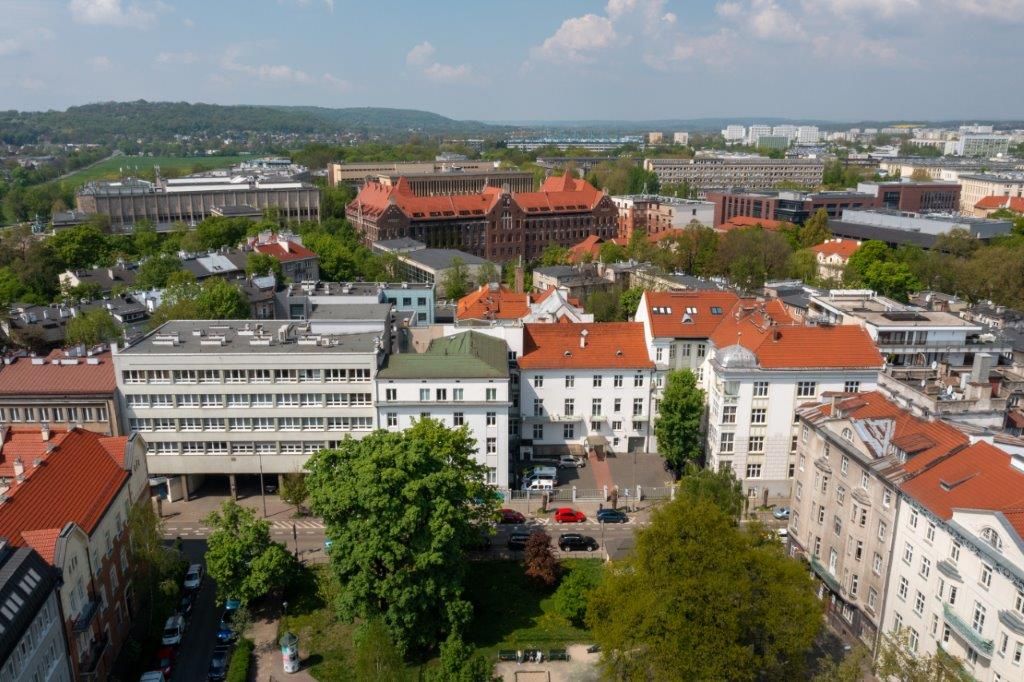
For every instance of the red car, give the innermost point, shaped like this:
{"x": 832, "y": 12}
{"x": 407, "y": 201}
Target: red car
{"x": 511, "y": 516}
{"x": 164, "y": 660}
{"x": 569, "y": 515}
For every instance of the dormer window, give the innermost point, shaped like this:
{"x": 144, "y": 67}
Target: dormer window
{"x": 992, "y": 537}
{"x": 848, "y": 434}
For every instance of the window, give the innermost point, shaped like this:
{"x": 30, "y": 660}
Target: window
{"x": 256, "y": 376}
{"x": 919, "y": 603}
{"x": 908, "y": 553}
{"x": 538, "y": 432}
{"x": 570, "y": 406}
{"x": 954, "y": 552}
{"x": 617, "y": 381}
{"x": 492, "y": 446}
{"x": 492, "y": 418}
{"x": 953, "y": 590}
{"x": 1018, "y": 604}
{"x": 597, "y": 380}
{"x": 886, "y": 498}
{"x": 992, "y": 538}
{"x": 854, "y": 585}
{"x": 616, "y": 426}
{"x": 903, "y": 588}
{"x": 570, "y": 381}
{"x": 806, "y": 389}
{"x": 758, "y": 415}
{"x": 753, "y": 471}
{"x": 912, "y": 640}
{"x": 638, "y": 380}
{"x": 929, "y": 534}
{"x": 882, "y": 530}
{"x": 851, "y": 386}
{"x": 729, "y": 414}
{"x": 978, "y": 621}
{"x": 595, "y": 406}
{"x": 702, "y": 350}
{"x": 424, "y": 395}
{"x": 876, "y": 563}
{"x": 392, "y": 419}
{"x": 760, "y": 389}
{"x": 441, "y": 394}
{"x": 858, "y": 552}
{"x": 538, "y": 380}
{"x": 840, "y": 496}
{"x": 1018, "y": 652}
{"x": 872, "y": 598}
{"x": 286, "y": 376}
{"x": 799, "y": 490}
{"x": 726, "y": 442}
{"x": 913, "y": 518}
{"x": 986, "y": 576}
{"x": 821, "y": 513}
{"x": 568, "y": 431}
{"x": 638, "y": 406}
{"x": 837, "y": 524}
{"x": 492, "y": 394}
{"x": 617, "y": 405}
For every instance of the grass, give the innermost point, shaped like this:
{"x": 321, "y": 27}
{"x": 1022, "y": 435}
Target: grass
{"x": 510, "y": 612}
{"x": 110, "y": 169}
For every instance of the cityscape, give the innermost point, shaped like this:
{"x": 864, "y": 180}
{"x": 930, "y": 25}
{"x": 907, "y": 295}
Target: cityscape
{"x": 603, "y": 350}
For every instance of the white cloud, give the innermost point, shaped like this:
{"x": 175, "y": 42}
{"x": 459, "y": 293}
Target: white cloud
{"x": 25, "y": 43}
{"x": 421, "y": 57}
{"x": 577, "y": 38}
{"x": 420, "y": 54}
{"x": 188, "y": 23}
{"x": 339, "y": 84}
{"x": 10, "y": 46}
{"x": 30, "y": 83}
{"x": 265, "y": 72}
{"x": 177, "y": 58}
{"x": 101, "y": 63}
{"x": 877, "y": 8}
{"x": 1007, "y": 10}
{"x": 114, "y": 13}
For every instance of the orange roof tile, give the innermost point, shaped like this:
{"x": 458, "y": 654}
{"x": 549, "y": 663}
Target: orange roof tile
{"x": 1015, "y": 204}
{"x": 667, "y": 311}
{"x": 742, "y": 221}
{"x": 284, "y": 254}
{"x": 43, "y": 541}
{"x": 843, "y": 248}
{"x": 26, "y": 444}
{"x": 24, "y": 378}
{"x": 768, "y": 332}
{"x": 74, "y": 483}
{"x": 590, "y": 246}
{"x": 486, "y": 303}
{"x": 981, "y": 476}
{"x": 612, "y": 345}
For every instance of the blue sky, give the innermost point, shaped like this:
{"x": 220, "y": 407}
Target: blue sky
{"x": 527, "y": 59}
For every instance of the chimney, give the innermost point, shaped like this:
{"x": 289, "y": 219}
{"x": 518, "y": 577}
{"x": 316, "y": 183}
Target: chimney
{"x": 776, "y": 334}
{"x": 981, "y": 368}
{"x": 19, "y": 469}
{"x": 520, "y": 277}
{"x": 45, "y": 430}
{"x": 583, "y": 338}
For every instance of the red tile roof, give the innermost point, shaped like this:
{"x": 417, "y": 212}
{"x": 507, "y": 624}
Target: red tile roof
{"x": 285, "y": 251}
{"x": 611, "y": 345}
{"x": 75, "y": 483}
{"x": 778, "y": 343}
{"x": 844, "y": 248}
{"x": 591, "y": 246}
{"x": 26, "y": 444}
{"x": 542, "y": 296}
{"x": 667, "y": 311}
{"x": 43, "y": 541}
{"x": 993, "y": 203}
{"x": 981, "y": 476}
{"x": 742, "y": 221}
{"x": 22, "y": 377}
{"x": 665, "y": 234}
{"x": 486, "y": 303}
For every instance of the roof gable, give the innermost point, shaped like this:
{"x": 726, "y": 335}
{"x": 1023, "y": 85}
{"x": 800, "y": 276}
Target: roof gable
{"x": 599, "y": 345}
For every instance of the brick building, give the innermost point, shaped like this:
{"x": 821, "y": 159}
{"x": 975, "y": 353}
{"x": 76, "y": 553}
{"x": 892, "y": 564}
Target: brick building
{"x": 492, "y": 224}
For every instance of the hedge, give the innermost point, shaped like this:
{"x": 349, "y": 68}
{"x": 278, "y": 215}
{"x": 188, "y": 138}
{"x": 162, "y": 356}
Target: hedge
{"x": 238, "y": 668}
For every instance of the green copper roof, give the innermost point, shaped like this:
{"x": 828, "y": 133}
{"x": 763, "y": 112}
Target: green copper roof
{"x": 469, "y": 355}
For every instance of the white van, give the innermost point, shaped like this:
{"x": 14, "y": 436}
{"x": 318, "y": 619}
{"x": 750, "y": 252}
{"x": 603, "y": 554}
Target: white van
{"x": 539, "y": 485}
{"x": 174, "y": 628}
{"x": 542, "y": 472}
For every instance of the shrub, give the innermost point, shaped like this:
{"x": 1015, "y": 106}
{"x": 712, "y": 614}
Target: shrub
{"x": 238, "y": 668}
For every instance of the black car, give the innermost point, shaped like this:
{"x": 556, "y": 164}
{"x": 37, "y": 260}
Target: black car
{"x": 186, "y": 603}
{"x": 611, "y": 516}
{"x": 219, "y": 664}
{"x": 574, "y": 542}
{"x": 517, "y": 540}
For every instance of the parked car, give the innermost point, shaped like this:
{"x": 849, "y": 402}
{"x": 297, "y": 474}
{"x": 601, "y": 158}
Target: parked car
{"x": 569, "y": 515}
{"x": 781, "y": 513}
{"x": 153, "y": 676}
{"x": 174, "y": 628}
{"x": 185, "y": 604}
{"x": 611, "y": 516}
{"x": 219, "y": 664}
{"x": 517, "y": 541}
{"x": 574, "y": 542}
{"x": 511, "y": 516}
{"x": 194, "y": 577}
{"x": 225, "y": 628}
{"x": 571, "y": 462}
{"x": 164, "y": 660}
{"x": 539, "y": 484}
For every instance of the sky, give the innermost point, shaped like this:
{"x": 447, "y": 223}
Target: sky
{"x": 842, "y": 60}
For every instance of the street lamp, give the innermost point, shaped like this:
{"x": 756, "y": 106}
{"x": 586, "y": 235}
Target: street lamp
{"x": 633, "y": 499}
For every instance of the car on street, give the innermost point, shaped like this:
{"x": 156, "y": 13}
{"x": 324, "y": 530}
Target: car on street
{"x": 174, "y": 628}
{"x": 194, "y": 577}
{"x": 225, "y": 627}
{"x": 511, "y": 516}
{"x": 781, "y": 513}
{"x": 574, "y": 542}
{"x": 186, "y": 603}
{"x": 517, "y": 541}
{"x": 219, "y": 664}
{"x": 569, "y": 515}
{"x": 611, "y": 516}
{"x": 571, "y": 462}
{"x": 164, "y": 660}
{"x": 153, "y": 676}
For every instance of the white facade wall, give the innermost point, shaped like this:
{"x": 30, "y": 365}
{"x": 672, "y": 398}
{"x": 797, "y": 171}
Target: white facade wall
{"x": 483, "y": 405}
{"x": 971, "y": 600}
{"x": 41, "y": 654}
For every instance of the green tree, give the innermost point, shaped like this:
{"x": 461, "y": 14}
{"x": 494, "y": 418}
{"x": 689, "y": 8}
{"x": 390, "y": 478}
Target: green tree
{"x": 891, "y": 279}
{"x": 221, "y": 300}
{"x": 377, "y": 658}
{"x": 815, "y": 229}
{"x": 80, "y": 247}
{"x": 334, "y": 199}
{"x": 605, "y": 305}
{"x": 241, "y": 557}
{"x": 701, "y": 598}
{"x": 539, "y": 561}
{"x": 154, "y": 272}
{"x": 294, "y": 490}
{"x": 850, "y": 669}
{"x": 460, "y": 664}
{"x": 554, "y": 254}
{"x": 958, "y": 243}
{"x": 895, "y": 661}
{"x": 260, "y": 264}
{"x": 574, "y": 591}
{"x": 405, "y": 507}
{"x": 93, "y": 327}
{"x": 870, "y": 252}
{"x": 610, "y": 252}
{"x": 11, "y": 287}
{"x": 218, "y": 231}
{"x": 145, "y": 238}
{"x": 803, "y": 265}
{"x": 630, "y": 301}
{"x": 455, "y": 281}
{"x": 721, "y": 488}
{"x": 487, "y": 273}
{"x": 678, "y": 425}
{"x": 751, "y": 256}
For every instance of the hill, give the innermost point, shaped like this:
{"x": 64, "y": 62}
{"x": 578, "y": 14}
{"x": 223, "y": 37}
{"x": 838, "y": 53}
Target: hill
{"x": 106, "y": 122}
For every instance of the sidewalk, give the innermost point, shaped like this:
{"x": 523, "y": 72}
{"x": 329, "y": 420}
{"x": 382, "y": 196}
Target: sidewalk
{"x": 198, "y": 507}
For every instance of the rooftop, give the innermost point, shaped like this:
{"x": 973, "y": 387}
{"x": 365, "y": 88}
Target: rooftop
{"x": 493, "y": 302}
{"x": 26, "y": 582}
{"x": 882, "y": 312}
{"x": 687, "y": 314}
{"x": 599, "y": 345}
{"x": 439, "y": 259}
{"x": 469, "y": 355}
{"x": 206, "y": 337}
{"x": 844, "y": 248}
{"x": 75, "y": 372}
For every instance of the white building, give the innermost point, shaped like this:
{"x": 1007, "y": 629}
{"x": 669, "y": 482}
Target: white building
{"x": 959, "y": 582}
{"x": 789, "y": 131}
{"x": 681, "y": 138}
{"x": 760, "y": 368}
{"x": 585, "y": 386}
{"x": 808, "y": 135}
{"x": 734, "y": 134}
{"x": 461, "y": 380}
{"x": 755, "y": 132}
{"x": 982, "y": 145}
{"x": 655, "y": 138}
{"x": 236, "y": 397}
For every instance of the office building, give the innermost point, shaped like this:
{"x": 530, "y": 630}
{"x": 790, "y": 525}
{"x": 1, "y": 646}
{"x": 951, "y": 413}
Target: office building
{"x": 458, "y": 181}
{"x": 681, "y": 138}
{"x": 982, "y": 145}
{"x": 707, "y": 172}
{"x": 977, "y": 186}
{"x": 756, "y": 132}
{"x": 784, "y": 206}
{"x": 460, "y": 380}
{"x": 926, "y": 224}
{"x": 360, "y": 172}
{"x": 788, "y": 131}
{"x": 914, "y": 197}
{"x": 654, "y": 214}
{"x": 734, "y": 134}
{"x": 496, "y": 225}
{"x": 314, "y": 300}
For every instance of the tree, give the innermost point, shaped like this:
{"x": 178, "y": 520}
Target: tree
{"x": 891, "y": 279}
{"x": 554, "y": 254}
{"x": 610, "y": 252}
{"x": 721, "y": 488}
{"x": 11, "y": 287}
{"x": 487, "y": 273}
{"x": 803, "y": 265}
{"x": 850, "y": 669}
{"x": 92, "y": 328}
{"x": 678, "y": 426}
{"x": 538, "y": 559}
{"x": 241, "y": 557}
{"x": 456, "y": 279}
{"x": 815, "y": 229}
{"x": 630, "y": 301}
{"x": 145, "y": 238}
{"x": 604, "y": 305}
{"x": 921, "y": 175}
{"x": 573, "y": 592}
{"x": 221, "y": 300}
{"x": 460, "y": 664}
{"x": 79, "y": 247}
{"x": 895, "y": 661}
{"x": 750, "y": 256}
{"x": 377, "y": 658}
{"x": 869, "y": 252}
{"x": 406, "y": 507}
{"x": 154, "y": 272}
{"x": 294, "y": 490}
{"x": 260, "y": 264}
{"x": 702, "y": 598}
{"x": 959, "y": 243}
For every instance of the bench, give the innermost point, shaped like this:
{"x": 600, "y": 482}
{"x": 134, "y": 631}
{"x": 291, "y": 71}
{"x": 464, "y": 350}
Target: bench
{"x": 558, "y": 655}
{"x": 507, "y": 655}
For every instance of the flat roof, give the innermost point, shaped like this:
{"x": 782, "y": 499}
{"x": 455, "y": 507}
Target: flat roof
{"x": 218, "y": 337}
{"x": 438, "y": 259}
{"x": 349, "y": 311}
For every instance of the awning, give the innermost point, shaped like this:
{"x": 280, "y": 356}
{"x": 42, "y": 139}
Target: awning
{"x": 597, "y": 439}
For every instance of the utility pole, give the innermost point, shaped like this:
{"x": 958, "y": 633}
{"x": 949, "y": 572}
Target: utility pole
{"x": 295, "y": 537}
{"x": 263, "y": 489}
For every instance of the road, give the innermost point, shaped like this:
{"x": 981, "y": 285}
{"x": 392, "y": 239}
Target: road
{"x": 197, "y": 644}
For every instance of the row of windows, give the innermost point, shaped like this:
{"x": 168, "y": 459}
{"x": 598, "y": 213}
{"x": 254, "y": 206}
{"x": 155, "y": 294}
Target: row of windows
{"x": 245, "y": 424}
{"x": 597, "y": 380}
{"x": 596, "y": 407}
{"x": 569, "y": 430}
{"x": 441, "y": 394}
{"x": 245, "y": 376}
{"x": 458, "y": 418}
{"x": 702, "y": 348}
{"x": 34, "y": 636}
{"x": 238, "y": 448}
{"x": 209, "y": 400}
{"x": 727, "y": 443}
{"x": 53, "y": 414}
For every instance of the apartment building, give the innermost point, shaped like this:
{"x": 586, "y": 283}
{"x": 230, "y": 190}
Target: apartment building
{"x": 958, "y": 585}
{"x": 854, "y": 450}
{"x": 460, "y": 380}
{"x": 761, "y": 367}
{"x": 32, "y": 645}
{"x": 832, "y": 255}
{"x": 359, "y": 173}
{"x": 75, "y": 387}
{"x": 585, "y": 386}
{"x": 977, "y": 186}
{"x": 298, "y": 263}
{"x": 496, "y": 304}
{"x": 69, "y": 499}
{"x": 706, "y": 172}
{"x": 249, "y": 397}
{"x": 653, "y": 214}
{"x": 982, "y": 145}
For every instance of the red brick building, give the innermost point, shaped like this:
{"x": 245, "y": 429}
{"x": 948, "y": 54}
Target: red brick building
{"x": 496, "y": 225}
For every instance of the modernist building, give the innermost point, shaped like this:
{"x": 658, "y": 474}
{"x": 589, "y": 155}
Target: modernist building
{"x": 977, "y": 186}
{"x": 461, "y": 380}
{"x": 982, "y": 145}
{"x": 65, "y": 389}
{"x": 69, "y": 498}
{"x": 854, "y": 451}
{"x": 359, "y": 173}
{"x": 585, "y": 387}
{"x": 653, "y": 214}
{"x": 493, "y": 224}
{"x": 706, "y": 172}
{"x": 458, "y": 181}
{"x": 311, "y": 300}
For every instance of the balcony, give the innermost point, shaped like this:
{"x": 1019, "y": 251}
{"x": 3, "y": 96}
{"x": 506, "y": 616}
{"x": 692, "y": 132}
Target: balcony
{"x": 565, "y": 418}
{"x": 86, "y": 615}
{"x": 964, "y": 630}
{"x": 91, "y": 657}
{"x": 825, "y": 575}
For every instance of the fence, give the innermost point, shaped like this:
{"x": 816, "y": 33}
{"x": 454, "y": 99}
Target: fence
{"x": 573, "y": 494}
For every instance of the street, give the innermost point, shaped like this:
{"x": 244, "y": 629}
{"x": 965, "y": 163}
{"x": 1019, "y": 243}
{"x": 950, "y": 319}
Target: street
{"x": 197, "y": 644}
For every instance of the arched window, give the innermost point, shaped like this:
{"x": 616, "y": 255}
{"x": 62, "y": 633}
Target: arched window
{"x": 991, "y": 537}
{"x": 848, "y": 434}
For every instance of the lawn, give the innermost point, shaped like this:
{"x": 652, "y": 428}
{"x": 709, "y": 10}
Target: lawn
{"x": 142, "y": 166}
{"x": 510, "y": 612}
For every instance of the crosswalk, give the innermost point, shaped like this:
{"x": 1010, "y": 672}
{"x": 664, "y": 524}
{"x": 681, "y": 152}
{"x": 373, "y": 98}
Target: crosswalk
{"x": 299, "y": 525}
{"x": 198, "y": 530}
